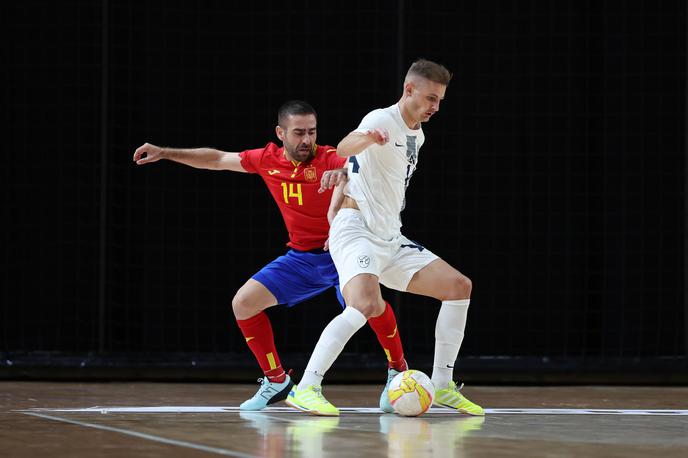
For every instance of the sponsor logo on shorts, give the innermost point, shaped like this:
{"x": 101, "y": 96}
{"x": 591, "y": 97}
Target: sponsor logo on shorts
{"x": 363, "y": 260}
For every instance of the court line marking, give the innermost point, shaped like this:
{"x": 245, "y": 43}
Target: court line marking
{"x": 364, "y": 410}
{"x": 150, "y": 437}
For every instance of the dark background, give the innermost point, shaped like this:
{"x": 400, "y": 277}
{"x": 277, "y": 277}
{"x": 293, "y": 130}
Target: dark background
{"x": 554, "y": 177}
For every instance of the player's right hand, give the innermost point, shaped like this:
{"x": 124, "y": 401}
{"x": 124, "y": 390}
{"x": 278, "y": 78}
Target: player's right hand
{"x": 379, "y": 135}
{"x": 147, "y": 153}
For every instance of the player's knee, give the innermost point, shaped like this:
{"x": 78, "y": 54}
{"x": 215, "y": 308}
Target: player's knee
{"x": 242, "y": 305}
{"x": 458, "y": 287}
{"x": 369, "y": 307}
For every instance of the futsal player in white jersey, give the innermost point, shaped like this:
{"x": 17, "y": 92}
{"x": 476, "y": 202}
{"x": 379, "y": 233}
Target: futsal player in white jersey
{"x": 368, "y": 248}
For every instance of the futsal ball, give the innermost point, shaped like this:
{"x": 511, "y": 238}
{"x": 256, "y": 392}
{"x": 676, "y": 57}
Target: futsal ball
{"x": 411, "y": 393}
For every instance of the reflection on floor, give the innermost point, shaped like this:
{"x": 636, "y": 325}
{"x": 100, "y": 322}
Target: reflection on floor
{"x": 175, "y": 420}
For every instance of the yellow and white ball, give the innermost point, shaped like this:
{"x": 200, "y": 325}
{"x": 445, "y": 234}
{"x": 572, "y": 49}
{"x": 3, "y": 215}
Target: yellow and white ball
{"x": 411, "y": 393}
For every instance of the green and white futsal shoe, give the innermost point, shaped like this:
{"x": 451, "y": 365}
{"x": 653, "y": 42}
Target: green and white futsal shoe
{"x": 311, "y": 400}
{"x": 451, "y": 397}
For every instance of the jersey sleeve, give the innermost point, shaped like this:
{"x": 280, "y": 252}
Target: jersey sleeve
{"x": 375, "y": 119}
{"x": 250, "y": 159}
{"x": 335, "y": 162}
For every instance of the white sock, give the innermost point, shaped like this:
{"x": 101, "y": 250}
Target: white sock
{"x": 331, "y": 343}
{"x": 449, "y": 329}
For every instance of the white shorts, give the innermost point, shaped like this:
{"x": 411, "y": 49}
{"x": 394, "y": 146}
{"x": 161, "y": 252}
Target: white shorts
{"x": 355, "y": 250}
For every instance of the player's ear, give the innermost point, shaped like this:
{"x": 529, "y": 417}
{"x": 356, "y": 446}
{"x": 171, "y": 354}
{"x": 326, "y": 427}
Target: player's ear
{"x": 408, "y": 88}
{"x": 280, "y": 132}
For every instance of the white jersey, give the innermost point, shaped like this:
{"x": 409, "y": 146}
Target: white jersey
{"x": 379, "y": 175}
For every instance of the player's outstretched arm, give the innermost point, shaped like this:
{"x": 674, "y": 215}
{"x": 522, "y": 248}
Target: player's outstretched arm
{"x": 356, "y": 142}
{"x": 200, "y": 158}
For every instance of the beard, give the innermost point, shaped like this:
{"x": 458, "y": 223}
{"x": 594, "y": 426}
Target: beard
{"x": 301, "y": 154}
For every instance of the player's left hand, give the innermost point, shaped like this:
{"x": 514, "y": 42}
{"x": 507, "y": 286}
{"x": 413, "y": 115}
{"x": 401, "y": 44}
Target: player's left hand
{"x": 332, "y": 178}
{"x": 327, "y": 245}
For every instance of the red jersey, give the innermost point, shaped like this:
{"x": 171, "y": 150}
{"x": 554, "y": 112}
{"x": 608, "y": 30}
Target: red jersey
{"x": 294, "y": 186}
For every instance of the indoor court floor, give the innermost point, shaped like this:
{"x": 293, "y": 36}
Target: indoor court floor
{"x": 60, "y": 419}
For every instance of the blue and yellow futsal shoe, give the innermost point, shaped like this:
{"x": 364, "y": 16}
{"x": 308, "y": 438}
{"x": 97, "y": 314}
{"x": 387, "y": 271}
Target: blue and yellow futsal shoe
{"x": 452, "y": 398}
{"x": 311, "y": 400}
{"x": 385, "y": 405}
{"x": 268, "y": 393}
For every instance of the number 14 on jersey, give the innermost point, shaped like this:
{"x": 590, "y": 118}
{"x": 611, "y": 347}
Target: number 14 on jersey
{"x": 293, "y": 191}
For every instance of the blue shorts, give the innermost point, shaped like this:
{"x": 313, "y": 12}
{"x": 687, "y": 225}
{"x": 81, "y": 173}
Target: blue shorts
{"x": 300, "y": 275}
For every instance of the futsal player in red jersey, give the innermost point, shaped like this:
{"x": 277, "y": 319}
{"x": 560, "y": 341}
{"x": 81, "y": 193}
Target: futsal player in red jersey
{"x": 299, "y": 175}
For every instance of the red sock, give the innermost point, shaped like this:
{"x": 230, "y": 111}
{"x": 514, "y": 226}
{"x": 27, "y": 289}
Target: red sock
{"x": 385, "y": 327}
{"x": 258, "y": 334}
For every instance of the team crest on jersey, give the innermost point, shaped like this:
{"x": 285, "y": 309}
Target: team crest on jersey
{"x": 310, "y": 174}
{"x": 363, "y": 261}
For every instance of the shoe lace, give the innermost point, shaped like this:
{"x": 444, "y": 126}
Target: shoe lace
{"x": 263, "y": 383}
{"x": 457, "y": 388}
{"x": 318, "y": 392}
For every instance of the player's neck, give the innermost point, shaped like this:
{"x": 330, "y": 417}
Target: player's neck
{"x": 406, "y": 115}
{"x": 288, "y": 157}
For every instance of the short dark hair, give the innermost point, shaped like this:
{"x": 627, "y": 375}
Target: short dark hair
{"x": 431, "y": 71}
{"x": 294, "y": 107}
